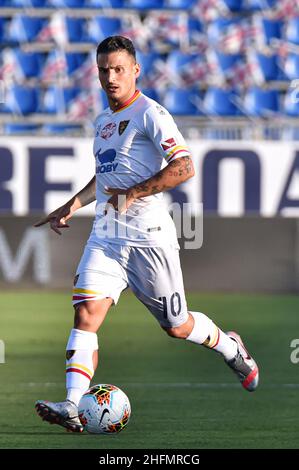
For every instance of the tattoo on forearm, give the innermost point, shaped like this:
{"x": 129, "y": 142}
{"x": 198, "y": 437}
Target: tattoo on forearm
{"x": 183, "y": 167}
{"x": 163, "y": 181}
{"x": 142, "y": 187}
{"x": 188, "y": 166}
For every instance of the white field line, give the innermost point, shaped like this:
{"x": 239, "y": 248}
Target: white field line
{"x": 199, "y": 385}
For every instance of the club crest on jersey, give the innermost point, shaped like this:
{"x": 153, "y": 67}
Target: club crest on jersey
{"x": 108, "y": 130}
{"x": 122, "y": 127}
{"x": 106, "y": 161}
{"x": 168, "y": 144}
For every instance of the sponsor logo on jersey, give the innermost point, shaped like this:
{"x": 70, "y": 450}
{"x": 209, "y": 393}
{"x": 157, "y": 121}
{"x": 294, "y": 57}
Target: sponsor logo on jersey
{"x": 168, "y": 144}
{"x": 161, "y": 110}
{"x": 122, "y": 127}
{"x": 108, "y": 130}
{"x": 106, "y": 161}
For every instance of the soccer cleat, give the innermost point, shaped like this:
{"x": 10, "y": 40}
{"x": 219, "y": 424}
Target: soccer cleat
{"x": 243, "y": 365}
{"x": 64, "y": 413}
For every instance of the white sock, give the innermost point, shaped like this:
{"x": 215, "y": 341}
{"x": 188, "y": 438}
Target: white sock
{"x": 79, "y": 365}
{"x": 205, "y": 332}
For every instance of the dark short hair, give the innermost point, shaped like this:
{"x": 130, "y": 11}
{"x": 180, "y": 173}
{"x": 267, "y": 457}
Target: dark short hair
{"x": 116, "y": 43}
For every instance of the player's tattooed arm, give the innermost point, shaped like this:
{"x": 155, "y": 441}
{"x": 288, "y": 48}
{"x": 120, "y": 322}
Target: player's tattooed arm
{"x": 175, "y": 173}
{"x": 58, "y": 218}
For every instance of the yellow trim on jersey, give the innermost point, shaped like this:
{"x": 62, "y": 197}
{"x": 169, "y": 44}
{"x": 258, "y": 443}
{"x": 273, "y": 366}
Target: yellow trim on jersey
{"x": 129, "y": 104}
{"x": 79, "y": 366}
{"x": 177, "y": 147}
{"x": 85, "y": 291}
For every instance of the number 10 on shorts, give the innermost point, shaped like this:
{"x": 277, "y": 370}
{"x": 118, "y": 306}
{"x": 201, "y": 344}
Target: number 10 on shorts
{"x": 172, "y": 305}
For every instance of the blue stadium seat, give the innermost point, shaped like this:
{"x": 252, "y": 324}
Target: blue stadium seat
{"x": 82, "y": 69}
{"x": 181, "y": 101}
{"x": 74, "y": 60}
{"x": 4, "y": 109}
{"x": 75, "y": 29}
{"x": 177, "y": 60}
{"x": 24, "y": 28}
{"x": 235, "y": 5}
{"x": 55, "y": 67}
{"x": 3, "y": 26}
{"x": 29, "y": 3}
{"x": 291, "y": 103}
{"x": 9, "y": 3}
{"x": 30, "y": 63}
{"x": 291, "y": 66}
{"x": 106, "y": 3}
{"x": 167, "y": 29}
{"x": 272, "y": 29}
{"x": 292, "y": 30}
{"x": 269, "y": 66}
{"x": 21, "y": 128}
{"x": 217, "y": 28}
{"x": 220, "y": 102}
{"x": 67, "y": 3}
{"x": 189, "y": 69}
{"x": 23, "y": 100}
{"x": 61, "y": 128}
{"x": 261, "y": 103}
{"x": 144, "y": 4}
{"x": 226, "y": 62}
{"x": 179, "y": 4}
{"x": 62, "y": 65}
{"x": 147, "y": 62}
{"x": 255, "y": 5}
{"x": 194, "y": 30}
{"x": 57, "y": 100}
{"x": 101, "y": 27}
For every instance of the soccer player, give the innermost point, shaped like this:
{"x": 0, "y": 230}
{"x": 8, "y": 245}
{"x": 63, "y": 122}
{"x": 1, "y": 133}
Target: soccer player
{"x": 139, "y": 153}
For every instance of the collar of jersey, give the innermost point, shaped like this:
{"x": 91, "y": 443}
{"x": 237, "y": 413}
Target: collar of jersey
{"x": 129, "y": 102}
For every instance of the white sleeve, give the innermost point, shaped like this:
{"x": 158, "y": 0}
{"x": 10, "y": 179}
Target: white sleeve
{"x": 161, "y": 129}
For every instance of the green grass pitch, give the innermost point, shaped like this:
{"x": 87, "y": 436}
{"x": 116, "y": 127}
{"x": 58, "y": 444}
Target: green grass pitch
{"x": 182, "y": 395}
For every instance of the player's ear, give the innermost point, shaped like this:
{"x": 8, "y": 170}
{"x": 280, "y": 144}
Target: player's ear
{"x": 137, "y": 70}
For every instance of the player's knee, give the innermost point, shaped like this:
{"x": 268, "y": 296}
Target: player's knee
{"x": 89, "y": 315}
{"x": 182, "y": 331}
{"x": 179, "y": 332}
{"x": 84, "y": 315}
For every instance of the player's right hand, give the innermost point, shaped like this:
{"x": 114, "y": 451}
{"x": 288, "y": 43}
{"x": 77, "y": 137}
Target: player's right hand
{"x": 56, "y": 219}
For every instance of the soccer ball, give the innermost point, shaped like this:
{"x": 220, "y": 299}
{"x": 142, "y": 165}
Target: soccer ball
{"x": 104, "y": 409}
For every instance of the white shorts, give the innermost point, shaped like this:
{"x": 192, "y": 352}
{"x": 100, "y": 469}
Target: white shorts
{"x": 153, "y": 274}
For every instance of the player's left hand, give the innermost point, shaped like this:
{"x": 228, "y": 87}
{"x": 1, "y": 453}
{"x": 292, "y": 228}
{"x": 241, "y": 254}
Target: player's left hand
{"x": 120, "y": 199}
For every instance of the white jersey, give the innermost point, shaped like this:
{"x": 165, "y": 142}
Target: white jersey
{"x": 131, "y": 145}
